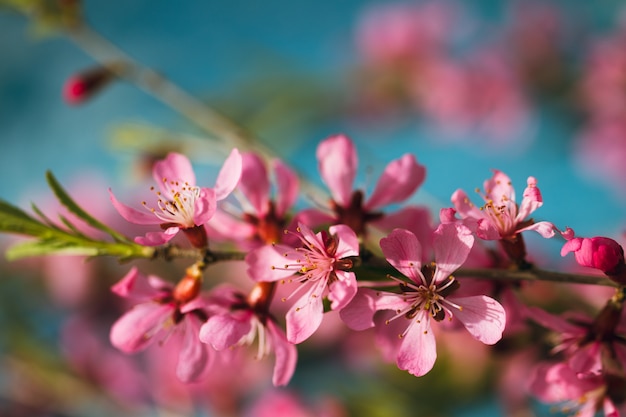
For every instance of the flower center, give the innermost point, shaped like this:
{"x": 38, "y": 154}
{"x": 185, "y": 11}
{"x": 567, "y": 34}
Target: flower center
{"x": 179, "y": 208}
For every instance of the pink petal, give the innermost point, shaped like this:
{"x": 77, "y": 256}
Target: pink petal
{"x": 348, "y": 241}
{"x": 464, "y": 207}
{"x": 226, "y": 330}
{"x": 483, "y": 317}
{"x": 136, "y": 286}
{"x": 286, "y": 355}
{"x": 342, "y": 290}
{"x": 414, "y": 219}
{"x": 157, "y": 238}
{"x": 418, "y": 350}
{"x": 136, "y": 329}
{"x": 254, "y": 183}
{"x": 545, "y": 229}
{"x": 229, "y": 175}
{"x": 288, "y": 186}
{"x": 397, "y": 183}
{"x": 194, "y": 356}
{"x": 359, "y": 313}
{"x": 531, "y": 200}
{"x": 586, "y": 360}
{"x": 131, "y": 215}
{"x": 337, "y": 163}
{"x": 556, "y": 323}
{"x": 557, "y": 382}
{"x": 205, "y": 206}
{"x": 175, "y": 167}
{"x": 487, "y": 230}
{"x": 404, "y": 252}
{"x": 224, "y": 227}
{"x": 452, "y": 243}
{"x": 305, "y": 316}
{"x": 572, "y": 245}
{"x": 315, "y": 239}
{"x": 268, "y": 263}
{"x": 499, "y": 186}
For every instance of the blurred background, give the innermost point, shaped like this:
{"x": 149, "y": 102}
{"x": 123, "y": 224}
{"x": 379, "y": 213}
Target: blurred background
{"x": 532, "y": 88}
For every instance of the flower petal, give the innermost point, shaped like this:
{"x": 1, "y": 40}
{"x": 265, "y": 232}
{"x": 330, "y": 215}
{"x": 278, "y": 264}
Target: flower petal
{"x": 404, "y": 252}
{"x": 254, "y": 183}
{"x": 136, "y": 286}
{"x": 268, "y": 263}
{"x": 418, "y": 350}
{"x": 229, "y": 175}
{"x": 305, "y": 316}
{"x": 194, "y": 356}
{"x": 399, "y": 180}
{"x": 157, "y": 238}
{"x": 204, "y": 206}
{"x": 225, "y": 330}
{"x": 545, "y": 229}
{"x": 131, "y": 215}
{"x": 498, "y": 188}
{"x": 348, "y": 244}
{"x": 288, "y": 186}
{"x": 337, "y": 163}
{"x": 483, "y": 317}
{"x": 342, "y": 290}
{"x": 452, "y": 243}
{"x": 175, "y": 167}
{"x": 531, "y": 200}
{"x": 464, "y": 207}
{"x": 136, "y": 329}
{"x": 286, "y": 355}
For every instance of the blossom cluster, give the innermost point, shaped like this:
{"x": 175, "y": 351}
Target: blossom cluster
{"x": 302, "y": 263}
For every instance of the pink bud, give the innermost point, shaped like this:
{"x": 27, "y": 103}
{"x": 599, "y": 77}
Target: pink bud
{"x": 82, "y": 86}
{"x": 597, "y": 252}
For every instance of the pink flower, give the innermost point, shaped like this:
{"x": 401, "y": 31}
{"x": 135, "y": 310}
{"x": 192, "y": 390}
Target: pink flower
{"x": 321, "y": 265}
{"x": 501, "y": 217}
{"x": 427, "y": 296}
{"x": 583, "y": 397}
{"x": 600, "y": 253}
{"x": 337, "y": 162}
{"x": 583, "y": 340}
{"x": 180, "y": 204}
{"x": 163, "y": 311}
{"x": 241, "y": 322}
{"x": 264, "y": 219}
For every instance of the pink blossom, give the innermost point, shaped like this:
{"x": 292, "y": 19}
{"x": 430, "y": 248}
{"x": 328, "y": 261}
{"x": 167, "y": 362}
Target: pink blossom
{"x": 599, "y": 252}
{"x": 337, "y": 163}
{"x": 264, "y": 218}
{"x": 427, "y": 296}
{"x": 321, "y": 265}
{"x": 241, "y": 322}
{"x": 501, "y": 217}
{"x": 584, "y": 397}
{"x": 163, "y": 312}
{"x": 582, "y": 339}
{"x": 180, "y": 204}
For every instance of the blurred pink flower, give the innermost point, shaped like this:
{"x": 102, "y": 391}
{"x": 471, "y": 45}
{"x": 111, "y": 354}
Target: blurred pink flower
{"x": 322, "y": 266}
{"x": 180, "y": 204}
{"x": 240, "y": 323}
{"x": 337, "y": 163}
{"x": 584, "y": 397}
{"x": 427, "y": 296}
{"x": 264, "y": 219}
{"x": 274, "y": 403}
{"x": 163, "y": 311}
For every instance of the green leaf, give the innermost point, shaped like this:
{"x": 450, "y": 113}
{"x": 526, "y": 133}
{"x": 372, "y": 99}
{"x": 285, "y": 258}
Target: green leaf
{"x": 71, "y": 205}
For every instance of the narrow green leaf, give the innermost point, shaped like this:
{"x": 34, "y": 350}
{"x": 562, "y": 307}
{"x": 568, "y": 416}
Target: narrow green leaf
{"x": 71, "y": 205}
{"x": 39, "y": 248}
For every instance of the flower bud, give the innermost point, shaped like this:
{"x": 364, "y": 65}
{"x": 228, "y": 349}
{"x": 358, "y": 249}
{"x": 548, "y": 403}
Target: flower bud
{"x": 600, "y": 253}
{"x": 80, "y": 87}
